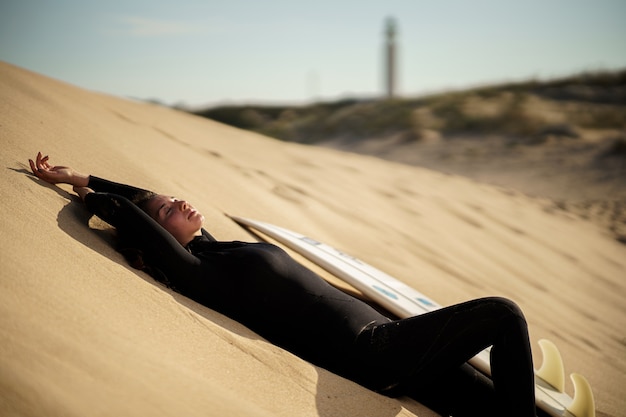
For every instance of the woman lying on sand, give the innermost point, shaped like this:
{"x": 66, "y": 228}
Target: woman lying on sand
{"x": 262, "y": 287}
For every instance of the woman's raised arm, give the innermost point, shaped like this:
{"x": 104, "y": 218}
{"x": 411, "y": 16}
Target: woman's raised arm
{"x": 162, "y": 249}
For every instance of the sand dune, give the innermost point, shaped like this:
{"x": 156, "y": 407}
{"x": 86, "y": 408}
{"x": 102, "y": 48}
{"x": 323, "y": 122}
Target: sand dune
{"x": 81, "y": 333}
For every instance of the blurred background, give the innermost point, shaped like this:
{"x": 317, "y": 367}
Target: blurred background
{"x": 528, "y": 95}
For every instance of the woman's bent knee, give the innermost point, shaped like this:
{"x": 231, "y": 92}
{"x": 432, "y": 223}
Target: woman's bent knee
{"x": 505, "y": 307}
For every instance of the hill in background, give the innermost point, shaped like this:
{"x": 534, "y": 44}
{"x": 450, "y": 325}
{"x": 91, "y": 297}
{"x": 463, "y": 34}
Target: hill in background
{"x": 564, "y": 139}
{"x": 530, "y": 111}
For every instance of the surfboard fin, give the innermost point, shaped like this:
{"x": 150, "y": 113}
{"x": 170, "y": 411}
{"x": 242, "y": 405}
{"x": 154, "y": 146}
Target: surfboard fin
{"x": 584, "y": 404}
{"x": 552, "y": 370}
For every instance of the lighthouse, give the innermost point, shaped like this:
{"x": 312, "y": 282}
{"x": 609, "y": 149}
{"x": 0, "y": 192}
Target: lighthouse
{"x": 390, "y": 57}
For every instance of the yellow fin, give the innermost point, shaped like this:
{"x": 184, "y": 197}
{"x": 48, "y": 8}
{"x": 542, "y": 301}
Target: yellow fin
{"x": 551, "y": 370}
{"x": 583, "y": 404}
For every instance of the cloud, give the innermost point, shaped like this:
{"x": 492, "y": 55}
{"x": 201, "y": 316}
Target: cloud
{"x": 145, "y": 27}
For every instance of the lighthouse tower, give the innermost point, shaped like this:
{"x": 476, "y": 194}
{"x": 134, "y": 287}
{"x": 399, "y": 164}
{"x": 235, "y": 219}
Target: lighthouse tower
{"x": 390, "y": 57}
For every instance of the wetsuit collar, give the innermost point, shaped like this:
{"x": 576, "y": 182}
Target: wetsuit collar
{"x": 195, "y": 241}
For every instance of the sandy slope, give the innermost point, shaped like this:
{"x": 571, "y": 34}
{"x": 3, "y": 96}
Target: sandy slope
{"x": 82, "y": 334}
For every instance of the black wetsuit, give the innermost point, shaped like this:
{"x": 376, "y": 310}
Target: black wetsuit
{"x": 262, "y": 287}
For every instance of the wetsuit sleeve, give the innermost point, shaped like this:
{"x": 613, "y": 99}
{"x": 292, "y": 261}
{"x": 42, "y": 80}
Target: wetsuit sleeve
{"x": 160, "y": 247}
{"x": 132, "y": 193}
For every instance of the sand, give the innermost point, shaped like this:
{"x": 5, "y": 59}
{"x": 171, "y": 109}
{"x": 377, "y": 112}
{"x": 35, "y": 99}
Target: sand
{"x": 83, "y": 334}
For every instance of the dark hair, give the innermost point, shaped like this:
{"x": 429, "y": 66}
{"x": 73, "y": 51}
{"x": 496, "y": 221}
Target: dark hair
{"x": 130, "y": 247}
{"x": 142, "y": 198}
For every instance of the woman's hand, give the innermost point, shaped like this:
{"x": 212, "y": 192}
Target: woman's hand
{"x": 57, "y": 174}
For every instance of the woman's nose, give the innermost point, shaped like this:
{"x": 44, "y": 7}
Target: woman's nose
{"x": 183, "y": 205}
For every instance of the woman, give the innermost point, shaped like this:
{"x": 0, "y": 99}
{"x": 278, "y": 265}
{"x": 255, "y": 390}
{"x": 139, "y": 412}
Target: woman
{"x": 260, "y": 286}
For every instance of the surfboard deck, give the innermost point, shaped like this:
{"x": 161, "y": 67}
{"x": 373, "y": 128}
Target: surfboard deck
{"x": 404, "y": 301}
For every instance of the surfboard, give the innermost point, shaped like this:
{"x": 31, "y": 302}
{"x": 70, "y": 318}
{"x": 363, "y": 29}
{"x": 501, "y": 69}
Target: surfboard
{"x": 404, "y": 301}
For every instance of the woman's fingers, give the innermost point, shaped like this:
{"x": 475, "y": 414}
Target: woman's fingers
{"x": 41, "y": 168}
{"x": 41, "y": 162}
{"x": 44, "y": 162}
{"x": 36, "y": 166}
{"x": 32, "y": 166}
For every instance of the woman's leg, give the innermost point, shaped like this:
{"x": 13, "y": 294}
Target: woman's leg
{"x": 424, "y": 349}
{"x": 462, "y": 392}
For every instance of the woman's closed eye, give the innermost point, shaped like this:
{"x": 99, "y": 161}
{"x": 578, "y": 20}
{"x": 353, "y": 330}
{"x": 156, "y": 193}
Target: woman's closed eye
{"x": 164, "y": 210}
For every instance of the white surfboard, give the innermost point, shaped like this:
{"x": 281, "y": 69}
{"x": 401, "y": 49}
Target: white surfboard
{"x": 404, "y": 301}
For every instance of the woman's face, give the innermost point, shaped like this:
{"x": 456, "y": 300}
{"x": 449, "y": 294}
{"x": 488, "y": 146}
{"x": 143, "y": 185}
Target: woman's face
{"x": 177, "y": 217}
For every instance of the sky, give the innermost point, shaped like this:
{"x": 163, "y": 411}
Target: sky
{"x": 203, "y": 53}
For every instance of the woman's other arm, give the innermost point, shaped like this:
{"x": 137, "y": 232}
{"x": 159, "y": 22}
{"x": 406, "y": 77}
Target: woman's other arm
{"x": 82, "y": 183}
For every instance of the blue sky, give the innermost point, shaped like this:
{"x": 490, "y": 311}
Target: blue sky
{"x": 205, "y": 52}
